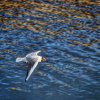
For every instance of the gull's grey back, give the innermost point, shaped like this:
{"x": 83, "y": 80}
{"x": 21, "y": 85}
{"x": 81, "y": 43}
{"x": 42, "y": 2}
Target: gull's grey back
{"x": 32, "y": 56}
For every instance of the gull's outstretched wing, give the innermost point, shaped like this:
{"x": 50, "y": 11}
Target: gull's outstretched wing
{"x": 31, "y": 70}
{"x": 33, "y": 54}
{"x": 36, "y": 53}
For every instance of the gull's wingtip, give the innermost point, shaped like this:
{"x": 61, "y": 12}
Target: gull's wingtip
{"x": 38, "y": 51}
{"x": 26, "y": 80}
{"x": 27, "y": 77}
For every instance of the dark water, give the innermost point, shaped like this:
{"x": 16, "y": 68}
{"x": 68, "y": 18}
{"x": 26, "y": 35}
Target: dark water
{"x": 72, "y": 69}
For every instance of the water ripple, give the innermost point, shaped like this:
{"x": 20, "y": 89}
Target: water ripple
{"x": 68, "y": 36}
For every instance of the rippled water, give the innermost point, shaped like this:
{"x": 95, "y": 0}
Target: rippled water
{"x": 72, "y": 69}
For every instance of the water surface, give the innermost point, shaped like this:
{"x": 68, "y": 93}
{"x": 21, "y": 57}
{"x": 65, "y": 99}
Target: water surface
{"x": 69, "y": 41}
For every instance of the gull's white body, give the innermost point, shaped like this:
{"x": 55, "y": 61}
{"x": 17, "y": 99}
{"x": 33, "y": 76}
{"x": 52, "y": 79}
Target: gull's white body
{"x": 30, "y": 58}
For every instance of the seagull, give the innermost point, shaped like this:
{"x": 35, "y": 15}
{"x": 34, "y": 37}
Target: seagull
{"x": 30, "y": 59}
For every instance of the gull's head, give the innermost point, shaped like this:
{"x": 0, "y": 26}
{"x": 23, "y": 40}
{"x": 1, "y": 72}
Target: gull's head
{"x": 43, "y": 59}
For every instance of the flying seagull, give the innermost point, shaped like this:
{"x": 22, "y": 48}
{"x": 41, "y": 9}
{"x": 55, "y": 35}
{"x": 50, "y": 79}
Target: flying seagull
{"x": 30, "y": 59}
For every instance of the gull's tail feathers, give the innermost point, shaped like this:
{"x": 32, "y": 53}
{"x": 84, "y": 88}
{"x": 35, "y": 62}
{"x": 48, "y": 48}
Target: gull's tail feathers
{"x": 19, "y": 59}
